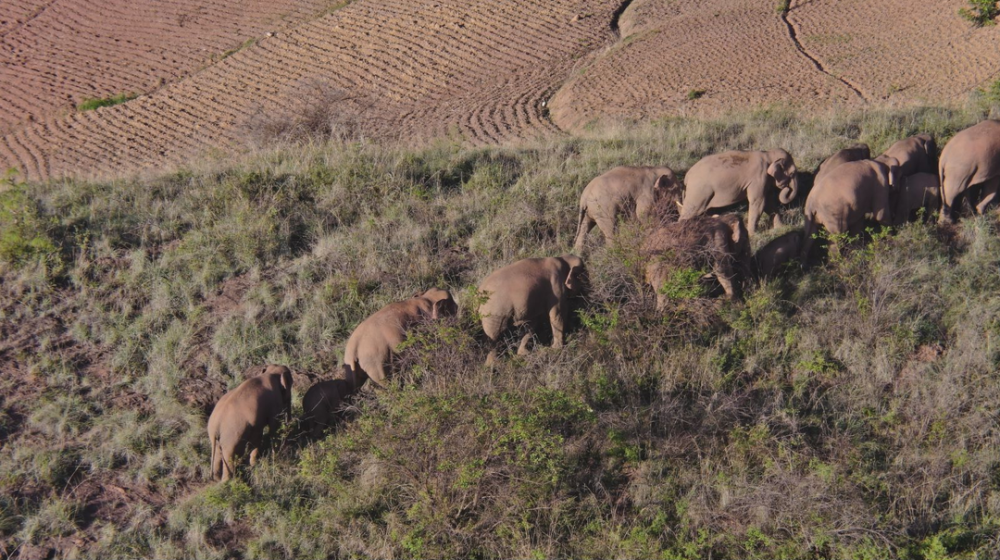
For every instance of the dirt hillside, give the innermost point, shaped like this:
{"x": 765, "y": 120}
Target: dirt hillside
{"x": 480, "y": 71}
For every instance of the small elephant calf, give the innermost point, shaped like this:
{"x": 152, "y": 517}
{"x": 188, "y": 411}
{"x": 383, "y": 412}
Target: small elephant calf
{"x": 921, "y": 190}
{"x": 323, "y": 402}
{"x": 781, "y": 250}
{"x": 236, "y": 425}
{"x": 720, "y": 243}
{"x": 374, "y": 341}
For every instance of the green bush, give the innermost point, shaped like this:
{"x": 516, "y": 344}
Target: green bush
{"x": 981, "y": 12}
{"x": 90, "y": 104}
{"x": 24, "y": 231}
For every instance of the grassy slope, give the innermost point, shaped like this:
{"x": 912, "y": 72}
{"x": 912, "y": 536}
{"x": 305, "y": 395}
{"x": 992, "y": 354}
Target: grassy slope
{"x": 845, "y": 412}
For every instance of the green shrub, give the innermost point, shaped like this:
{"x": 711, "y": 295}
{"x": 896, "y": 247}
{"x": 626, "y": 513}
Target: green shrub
{"x": 90, "y": 104}
{"x": 981, "y": 12}
{"x": 24, "y": 231}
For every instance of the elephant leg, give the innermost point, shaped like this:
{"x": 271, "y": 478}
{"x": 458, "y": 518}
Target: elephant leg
{"x": 522, "y": 347}
{"x": 724, "y": 274}
{"x": 586, "y": 224}
{"x": 254, "y": 444}
{"x": 776, "y": 220}
{"x": 989, "y": 194}
{"x": 607, "y": 226}
{"x": 374, "y": 368}
{"x": 756, "y": 209}
{"x": 557, "y": 318}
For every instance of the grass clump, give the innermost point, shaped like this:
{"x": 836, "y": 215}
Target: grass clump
{"x": 695, "y": 94}
{"x": 90, "y": 104}
{"x": 980, "y": 12}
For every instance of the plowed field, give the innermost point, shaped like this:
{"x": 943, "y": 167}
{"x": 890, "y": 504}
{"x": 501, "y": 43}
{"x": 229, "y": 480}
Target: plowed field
{"x": 478, "y": 71}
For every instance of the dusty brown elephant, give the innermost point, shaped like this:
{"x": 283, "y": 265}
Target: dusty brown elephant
{"x": 781, "y": 250}
{"x": 922, "y": 190}
{"x": 236, "y": 425}
{"x": 719, "y": 243}
{"x": 525, "y": 293}
{"x": 722, "y": 180}
{"x": 857, "y": 152}
{"x": 971, "y": 158}
{"x": 374, "y": 341}
{"x": 623, "y": 191}
{"x": 322, "y": 404}
{"x": 916, "y": 154}
{"x": 844, "y": 196}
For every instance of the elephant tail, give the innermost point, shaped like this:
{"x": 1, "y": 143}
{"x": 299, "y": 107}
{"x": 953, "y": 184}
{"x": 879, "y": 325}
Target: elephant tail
{"x": 581, "y": 227}
{"x": 217, "y": 458}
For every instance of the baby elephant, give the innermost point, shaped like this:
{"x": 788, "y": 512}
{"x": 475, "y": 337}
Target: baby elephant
{"x": 374, "y": 341}
{"x": 720, "y": 243}
{"x": 620, "y": 192}
{"x": 922, "y": 190}
{"x": 781, "y": 250}
{"x": 322, "y": 403}
{"x": 857, "y": 152}
{"x": 237, "y": 423}
{"x": 524, "y": 293}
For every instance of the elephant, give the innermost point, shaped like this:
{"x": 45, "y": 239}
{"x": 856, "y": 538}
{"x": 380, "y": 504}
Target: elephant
{"x": 857, "y": 152}
{"x": 842, "y": 198}
{"x": 916, "y": 154}
{"x": 922, "y": 190}
{"x": 374, "y": 341}
{"x": 971, "y": 158}
{"x": 523, "y": 293}
{"x": 237, "y": 423}
{"x": 722, "y": 180}
{"x": 622, "y": 191}
{"x": 321, "y": 405}
{"x": 770, "y": 258}
{"x": 721, "y": 243}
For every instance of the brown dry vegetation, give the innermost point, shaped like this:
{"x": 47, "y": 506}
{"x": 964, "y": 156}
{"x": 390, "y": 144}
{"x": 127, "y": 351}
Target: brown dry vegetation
{"x": 846, "y": 411}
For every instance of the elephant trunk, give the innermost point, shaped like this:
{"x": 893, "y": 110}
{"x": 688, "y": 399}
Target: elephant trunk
{"x": 789, "y": 193}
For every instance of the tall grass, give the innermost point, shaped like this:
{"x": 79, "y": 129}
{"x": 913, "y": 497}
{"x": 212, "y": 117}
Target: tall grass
{"x": 846, "y": 411}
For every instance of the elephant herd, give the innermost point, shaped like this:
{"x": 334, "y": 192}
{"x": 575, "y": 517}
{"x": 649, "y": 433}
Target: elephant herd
{"x": 849, "y": 188}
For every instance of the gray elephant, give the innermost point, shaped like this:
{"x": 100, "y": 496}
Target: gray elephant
{"x": 916, "y": 154}
{"x": 922, "y": 190}
{"x": 781, "y": 250}
{"x": 323, "y": 402}
{"x": 844, "y": 196}
{"x": 722, "y": 180}
{"x": 374, "y": 341}
{"x": 236, "y": 425}
{"x": 623, "y": 191}
{"x": 857, "y": 152}
{"x": 525, "y": 293}
{"x": 718, "y": 243}
{"x": 971, "y": 158}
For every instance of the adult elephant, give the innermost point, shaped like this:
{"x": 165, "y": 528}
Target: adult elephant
{"x": 729, "y": 178}
{"x": 916, "y": 154}
{"x": 527, "y": 292}
{"x": 717, "y": 243}
{"x": 971, "y": 158}
{"x": 236, "y": 425}
{"x": 842, "y": 198}
{"x": 374, "y": 341}
{"x": 857, "y": 152}
{"x": 623, "y": 191}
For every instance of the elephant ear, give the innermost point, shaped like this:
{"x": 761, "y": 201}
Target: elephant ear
{"x": 664, "y": 183}
{"x": 573, "y": 278}
{"x": 777, "y": 170}
{"x": 443, "y": 308}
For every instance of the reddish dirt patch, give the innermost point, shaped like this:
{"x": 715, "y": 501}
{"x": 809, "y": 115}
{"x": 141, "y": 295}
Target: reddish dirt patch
{"x": 55, "y": 53}
{"x": 476, "y": 70}
{"x": 902, "y": 50}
